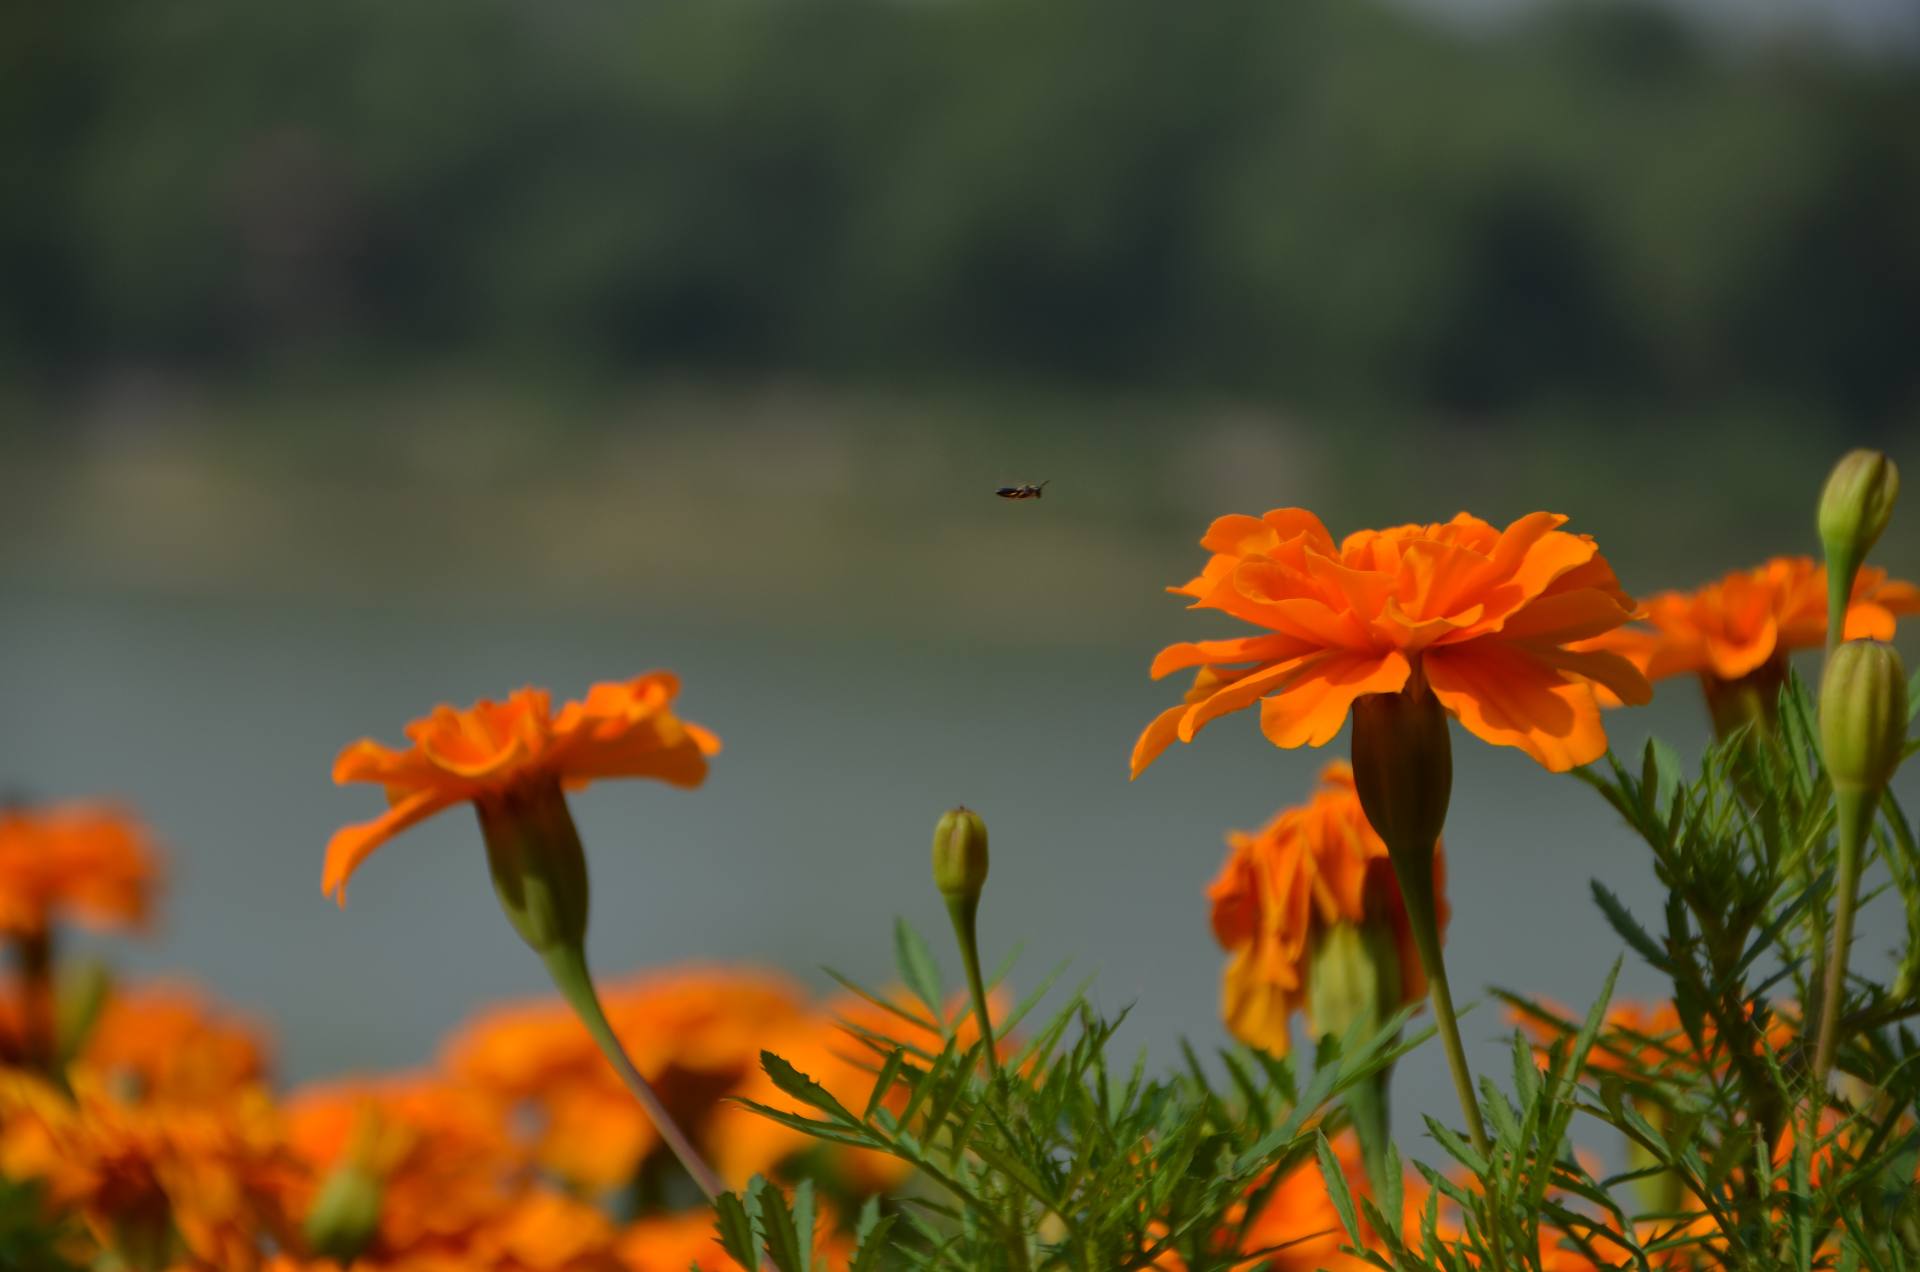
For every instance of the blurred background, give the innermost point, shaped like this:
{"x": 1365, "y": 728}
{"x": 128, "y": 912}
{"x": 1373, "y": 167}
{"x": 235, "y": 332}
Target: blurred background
{"x": 362, "y": 356}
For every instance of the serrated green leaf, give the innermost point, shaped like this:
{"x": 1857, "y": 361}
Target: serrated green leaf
{"x": 735, "y": 1229}
{"x": 918, "y": 972}
{"x": 1336, "y": 1182}
{"x": 805, "y": 1089}
{"x": 777, "y": 1226}
{"x": 1629, "y": 928}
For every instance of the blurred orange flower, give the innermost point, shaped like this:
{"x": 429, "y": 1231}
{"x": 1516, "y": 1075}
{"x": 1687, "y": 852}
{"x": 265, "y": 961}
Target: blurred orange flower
{"x": 1311, "y": 866}
{"x": 1487, "y": 616}
{"x": 488, "y": 750}
{"x": 695, "y": 1034}
{"x": 167, "y": 1042}
{"x": 1645, "y": 1039}
{"x": 442, "y": 1155}
{"x": 90, "y": 862}
{"x": 202, "y": 1183}
{"x": 1300, "y": 1218}
{"x": 1752, "y": 619}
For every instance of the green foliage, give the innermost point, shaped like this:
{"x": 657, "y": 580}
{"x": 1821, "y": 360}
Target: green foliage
{"x": 1737, "y": 1159}
{"x": 29, "y": 1241}
{"x": 1058, "y": 1160}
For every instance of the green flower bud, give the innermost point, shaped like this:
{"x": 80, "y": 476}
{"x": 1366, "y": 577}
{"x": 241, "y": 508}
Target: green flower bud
{"x": 82, "y": 995}
{"x": 960, "y": 854}
{"x": 539, "y": 869}
{"x": 1863, "y": 715}
{"x": 1353, "y": 979}
{"x": 1856, "y": 504}
{"x": 346, "y": 1212}
{"x": 1403, "y": 767}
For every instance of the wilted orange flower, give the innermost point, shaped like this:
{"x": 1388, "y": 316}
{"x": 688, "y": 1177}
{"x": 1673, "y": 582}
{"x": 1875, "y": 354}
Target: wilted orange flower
{"x": 1751, "y": 620}
{"x": 1488, "y": 616}
{"x": 1311, "y": 866}
{"x": 695, "y": 1035}
{"x": 488, "y": 750}
{"x": 90, "y": 862}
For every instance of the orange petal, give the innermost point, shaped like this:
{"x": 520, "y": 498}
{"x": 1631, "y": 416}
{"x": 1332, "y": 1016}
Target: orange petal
{"x": 1732, "y": 658}
{"x": 1154, "y": 739}
{"x": 352, "y": 845}
{"x": 1505, "y": 694}
{"x": 1617, "y": 675}
{"x": 1237, "y": 694}
{"x": 1195, "y": 653}
{"x": 1564, "y": 616}
{"x": 1314, "y": 706}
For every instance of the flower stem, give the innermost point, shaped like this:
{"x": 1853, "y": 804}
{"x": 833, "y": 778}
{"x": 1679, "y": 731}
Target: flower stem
{"x": 1854, "y": 809}
{"x": 567, "y": 963}
{"x": 1416, "y": 889}
{"x": 33, "y": 957}
{"x": 963, "y": 909}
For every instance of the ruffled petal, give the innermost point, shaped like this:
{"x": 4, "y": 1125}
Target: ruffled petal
{"x": 1264, "y": 648}
{"x": 1314, "y": 705}
{"x": 1506, "y": 695}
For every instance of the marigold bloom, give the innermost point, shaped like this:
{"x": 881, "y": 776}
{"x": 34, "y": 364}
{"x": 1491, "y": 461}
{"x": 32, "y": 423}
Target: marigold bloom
{"x": 90, "y": 862}
{"x": 1311, "y": 866}
{"x": 168, "y": 1042}
{"x": 1300, "y": 1216}
{"x": 1750, "y": 620}
{"x": 492, "y": 749}
{"x": 1639, "y": 1039}
{"x": 202, "y": 1181}
{"x": 1489, "y": 617}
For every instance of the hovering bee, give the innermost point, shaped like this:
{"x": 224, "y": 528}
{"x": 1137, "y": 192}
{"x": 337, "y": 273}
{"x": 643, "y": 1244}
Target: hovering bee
{"x": 1023, "y": 491}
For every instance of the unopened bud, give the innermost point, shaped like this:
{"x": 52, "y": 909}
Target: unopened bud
{"x": 1856, "y": 505}
{"x": 1353, "y": 979}
{"x": 82, "y": 995}
{"x": 1403, "y": 767}
{"x": 1863, "y": 715}
{"x": 960, "y": 854}
{"x": 345, "y": 1215}
{"x": 539, "y": 869}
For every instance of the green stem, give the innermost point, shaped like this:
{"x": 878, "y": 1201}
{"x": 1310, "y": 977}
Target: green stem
{"x": 963, "y": 909}
{"x": 33, "y": 956}
{"x": 1416, "y": 888}
{"x": 567, "y": 963}
{"x": 1854, "y": 809}
{"x": 1842, "y": 566}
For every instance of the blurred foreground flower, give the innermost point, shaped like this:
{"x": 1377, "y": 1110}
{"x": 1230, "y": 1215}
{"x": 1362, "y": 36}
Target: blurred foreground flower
{"x": 1311, "y": 869}
{"x": 1488, "y": 615}
{"x": 89, "y": 862}
{"x": 513, "y": 761}
{"x": 1311, "y": 915}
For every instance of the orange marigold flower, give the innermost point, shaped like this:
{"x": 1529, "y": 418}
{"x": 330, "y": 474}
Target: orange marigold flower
{"x": 694, "y": 1034}
{"x": 442, "y": 1154}
{"x": 1487, "y": 616}
{"x": 1311, "y": 866}
{"x": 486, "y": 753}
{"x": 1750, "y": 620}
{"x": 168, "y": 1042}
{"x": 203, "y": 1184}
{"x": 92, "y": 862}
{"x": 1300, "y": 1217}
{"x": 1644, "y": 1039}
